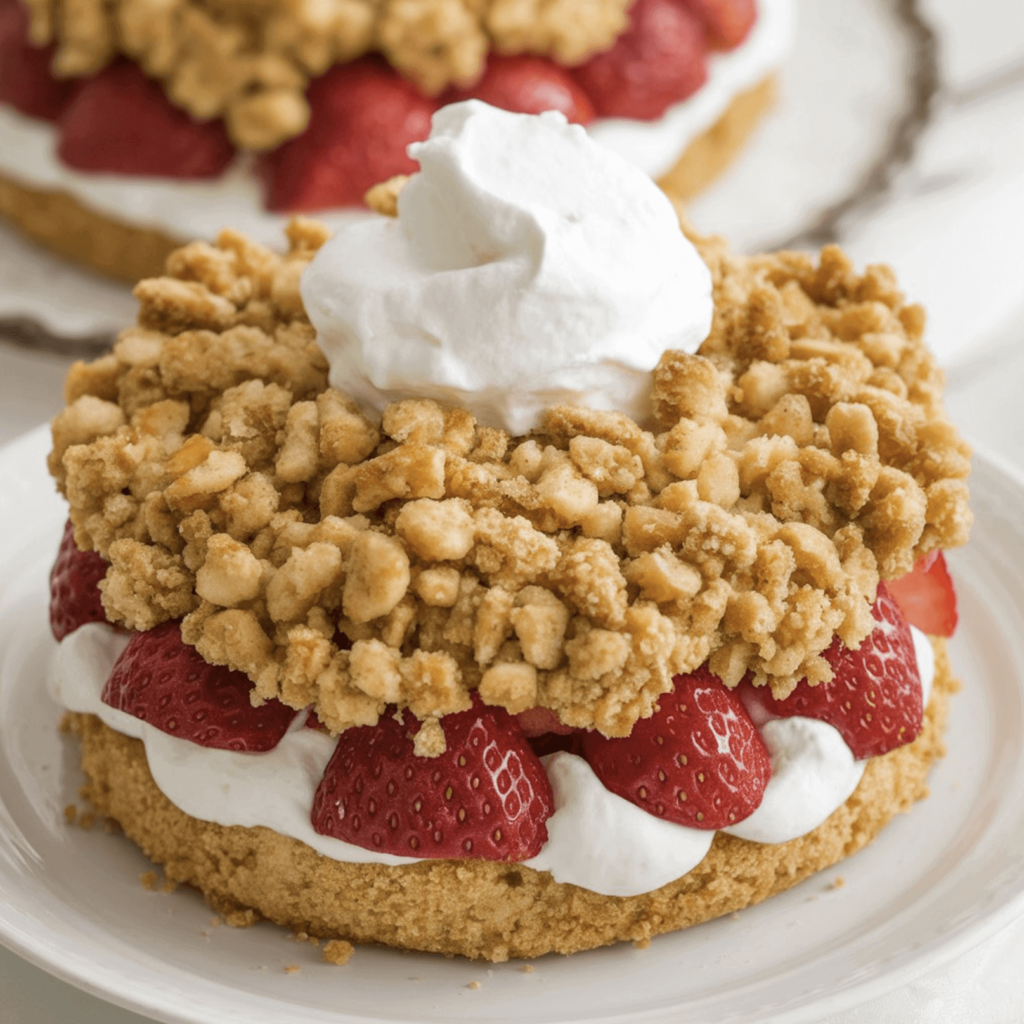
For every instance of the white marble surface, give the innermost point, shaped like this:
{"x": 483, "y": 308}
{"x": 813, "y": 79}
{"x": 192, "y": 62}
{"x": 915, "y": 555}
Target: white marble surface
{"x": 900, "y": 133}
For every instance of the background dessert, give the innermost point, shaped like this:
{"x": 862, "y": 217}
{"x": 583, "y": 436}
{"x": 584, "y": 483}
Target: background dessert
{"x": 74, "y": 180}
{"x": 878, "y": 482}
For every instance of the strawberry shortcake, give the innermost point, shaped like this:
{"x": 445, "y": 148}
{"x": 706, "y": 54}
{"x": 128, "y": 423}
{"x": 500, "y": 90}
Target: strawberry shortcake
{"x": 127, "y": 130}
{"x": 507, "y": 573}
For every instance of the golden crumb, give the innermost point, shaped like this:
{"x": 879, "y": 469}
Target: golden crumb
{"x": 86, "y": 820}
{"x": 474, "y": 985}
{"x": 70, "y": 814}
{"x": 838, "y": 882}
{"x": 382, "y": 198}
{"x": 150, "y": 880}
{"x": 292, "y": 969}
{"x": 527, "y": 969}
{"x": 800, "y": 456}
{"x": 337, "y": 951}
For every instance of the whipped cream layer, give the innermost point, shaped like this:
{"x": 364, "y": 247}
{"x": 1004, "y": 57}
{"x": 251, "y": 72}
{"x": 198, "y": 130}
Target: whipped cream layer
{"x": 597, "y": 840}
{"x": 185, "y": 210}
{"x": 527, "y": 267}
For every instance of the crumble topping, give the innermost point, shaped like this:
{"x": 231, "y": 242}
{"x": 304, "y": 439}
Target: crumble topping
{"x": 351, "y": 564}
{"x": 251, "y": 64}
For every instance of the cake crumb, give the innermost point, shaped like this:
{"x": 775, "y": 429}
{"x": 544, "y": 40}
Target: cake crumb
{"x": 70, "y": 814}
{"x": 642, "y": 943}
{"x": 292, "y": 969}
{"x": 86, "y": 820}
{"x": 241, "y": 918}
{"x": 527, "y": 969}
{"x": 149, "y": 880}
{"x": 474, "y": 985}
{"x": 337, "y": 951}
{"x": 838, "y": 882}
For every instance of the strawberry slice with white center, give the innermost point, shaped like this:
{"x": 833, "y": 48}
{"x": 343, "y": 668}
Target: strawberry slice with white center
{"x": 874, "y": 698}
{"x": 697, "y": 761}
{"x": 486, "y": 797}
{"x": 74, "y": 587}
{"x": 161, "y": 680}
{"x": 927, "y": 597}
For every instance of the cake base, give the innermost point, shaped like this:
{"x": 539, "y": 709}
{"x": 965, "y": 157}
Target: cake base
{"x": 710, "y": 153}
{"x": 480, "y": 909}
{"x": 62, "y": 224}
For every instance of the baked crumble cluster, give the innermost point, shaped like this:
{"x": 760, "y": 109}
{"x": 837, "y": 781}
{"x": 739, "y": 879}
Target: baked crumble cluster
{"x": 800, "y": 456}
{"x": 251, "y": 63}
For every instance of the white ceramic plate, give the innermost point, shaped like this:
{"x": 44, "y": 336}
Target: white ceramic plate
{"x": 936, "y": 882}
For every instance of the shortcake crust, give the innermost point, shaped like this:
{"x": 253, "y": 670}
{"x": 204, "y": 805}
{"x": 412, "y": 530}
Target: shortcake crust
{"x": 481, "y": 909}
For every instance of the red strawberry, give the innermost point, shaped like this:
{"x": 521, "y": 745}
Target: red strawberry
{"x": 698, "y": 761}
{"x": 166, "y": 683}
{"x": 362, "y": 118}
{"x": 25, "y": 79}
{"x": 659, "y": 60}
{"x": 528, "y": 85}
{"x": 546, "y": 734}
{"x": 727, "y": 21}
{"x": 486, "y": 797}
{"x": 120, "y": 121}
{"x": 74, "y": 587}
{"x": 926, "y": 596}
{"x": 539, "y": 721}
{"x": 874, "y": 697}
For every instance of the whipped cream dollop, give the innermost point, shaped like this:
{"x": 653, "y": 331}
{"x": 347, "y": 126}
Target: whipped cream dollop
{"x": 528, "y": 267}
{"x": 596, "y": 840}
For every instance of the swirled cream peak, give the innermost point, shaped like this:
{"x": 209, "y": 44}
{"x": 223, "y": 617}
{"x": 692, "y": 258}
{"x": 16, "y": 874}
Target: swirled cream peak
{"x": 528, "y": 267}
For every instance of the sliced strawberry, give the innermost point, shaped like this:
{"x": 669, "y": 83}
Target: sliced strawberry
{"x": 121, "y": 122}
{"x": 546, "y": 734}
{"x": 74, "y": 587}
{"x": 487, "y": 797}
{"x": 528, "y": 85}
{"x": 874, "y": 698}
{"x": 727, "y": 22}
{"x": 538, "y": 721}
{"x": 927, "y": 597}
{"x": 362, "y": 118}
{"x": 26, "y": 82}
{"x": 161, "y": 680}
{"x": 657, "y": 61}
{"x": 698, "y": 761}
